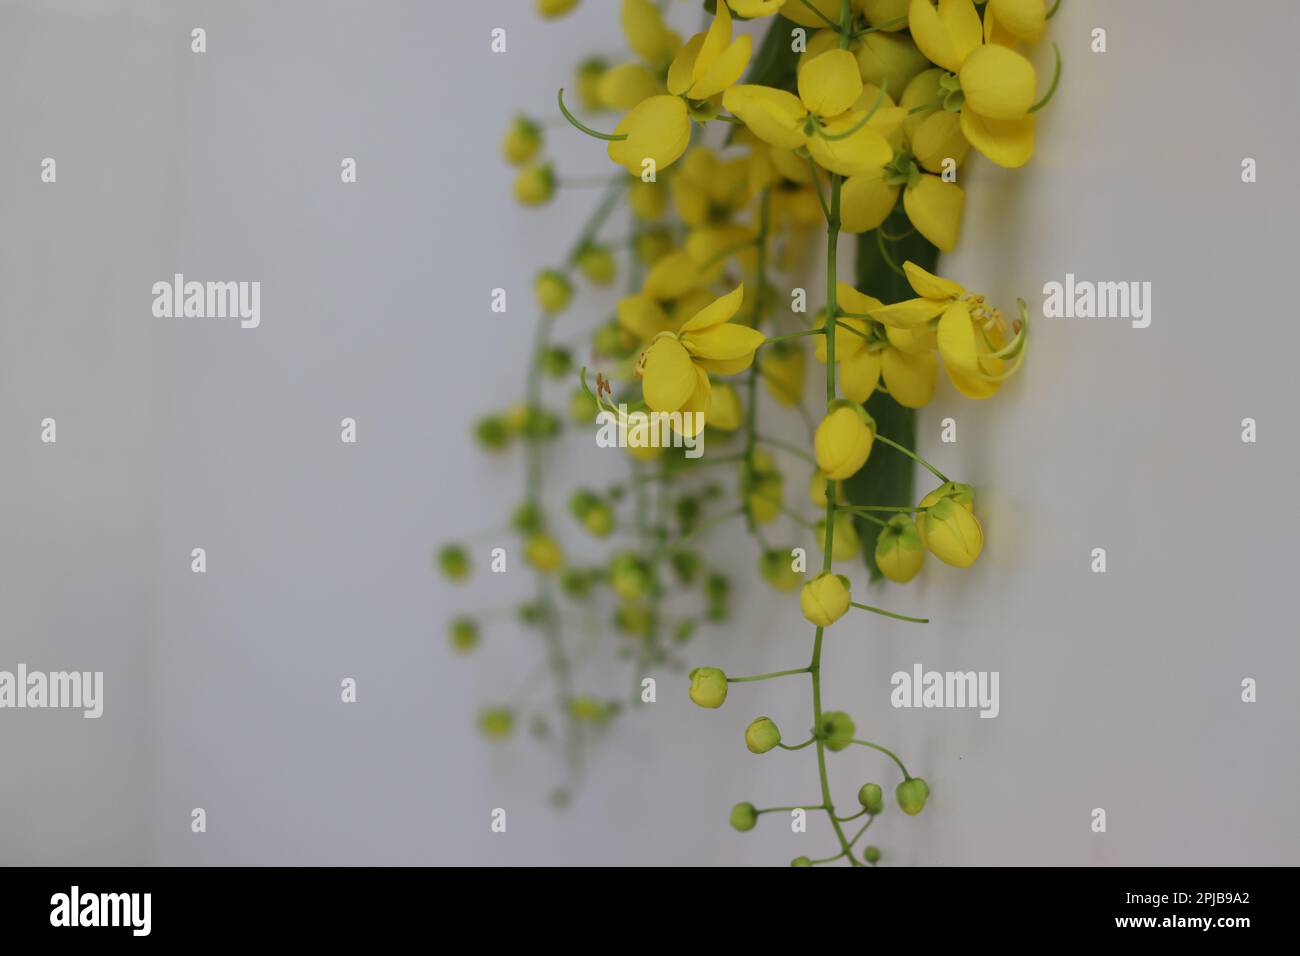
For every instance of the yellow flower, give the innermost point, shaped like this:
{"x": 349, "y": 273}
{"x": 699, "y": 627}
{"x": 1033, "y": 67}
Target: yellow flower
{"x": 908, "y": 367}
{"x": 588, "y": 83}
{"x": 827, "y": 106}
{"x": 1006, "y": 21}
{"x": 647, "y": 200}
{"x": 775, "y": 567}
{"x": 934, "y": 206}
{"x": 707, "y": 190}
{"x": 884, "y": 59}
{"x": 658, "y": 130}
{"x": 993, "y": 86}
{"x": 762, "y": 487}
{"x": 885, "y": 14}
{"x": 542, "y": 552}
{"x": 933, "y": 133}
{"x": 675, "y": 368}
{"x": 711, "y": 61}
{"x": 647, "y": 35}
{"x": 971, "y": 336}
{"x": 846, "y": 543}
{"x": 796, "y": 10}
{"x": 783, "y": 369}
{"x": 624, "y": 86}
{"x": 817, "y": 490}
{"x": 825, "y": 599}
{"x": 948, "y": 526}
{"x": 843, "y": 440}
{"x": 555, "y": 8}
{"x": 535, "y": 185}
{"x": 900, "y": 552}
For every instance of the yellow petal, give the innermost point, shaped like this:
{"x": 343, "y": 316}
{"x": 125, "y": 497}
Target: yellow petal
{"x": 1023, "y": 19}
{"x": 849, "y": 299}
{"x": 800, "y": 14}
{"x": 957, "y": 340}
{"x": 909, "y": 378}
{"x": 713, "y": 246}
{"x": 672, "y": 276}
{"x": 948, "y": 34}
{"x": 916, "y": 341}
{"x": 930, "y": 286}
{"x": 830, "y": 83}
{"x": 725, "y": 70}
{"x": 1009, "y": 143}
{"x": 658, "y": 129}
{"x": 866, "y": 200}
{"x": 909, "y": 314}
{"x": 624, "y": 86}
{"x": 681, "y": 74}
{"x": 859, "y": 374}
{"x": 863, "y": 152}
{"x": 717, "y": 312}
{"x": 715, "y": 41}
{"x": 642, "y": 316}
{"x": 726, "y": 366}
{"x": 668, "y": 378}
{"x": 880, "y": 12}
{"x": 700, "y": 400}
{"x": 723, "y": 342}
{"x": 935, "y": 208}
{"x": 847, "y": 343}
{"x": 891, "y": 59}
{"x": 939, "y": 138}
{"x": 972, "y": 386}
{"x": 999, "y": 83}
{"x": 725, "y": 411}
{"x": 774, "y": 116}
{"x": 643, "y": 26}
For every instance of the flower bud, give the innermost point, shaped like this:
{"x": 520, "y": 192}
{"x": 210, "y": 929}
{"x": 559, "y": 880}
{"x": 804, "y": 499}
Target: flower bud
{"x": 453, "y": 561}
{"x": 911, "y": 795}
{"x": 522, "y": 141}
{"x": 837, "y": 730}
{"x": 761, "y": 484}
{"x": 629, "y": 576}
{"x": 543, "y": 553}
{"x": 762, "y": 735}
{"x": 599, "y": 520}
{"x": 686, "y": 564}
{"x": 550, "y": 9}
{"x": 825, "y": 598}
{"x": 708, "y": 687}
{"x": 843, "y": 440}
{"x": 872, "y": 798}
{"x": 817, "y": 490}
{"x": 576, "y": 583}
{"x": 783, "y": 367}
{"x": 801, "y": 861}
{"x": 497, "y": 722}
{"x": 717, "y": 586}
{"x": 588, "y": 709}
{"x": 899, "y": 549}
{"x": 597, "y": 264}
{"x": 539, "y": 424}
{"x": 634, "y": 620}
{"x": 744, "y": 816}
{"x": 588, "y": 83}
{"x": 582, "y": 407}
{"x": 775, "y": 567}
{"x": 890, "y": 59}
{"x": 527, "y": 518}
{"x": 687, "y": 510}
{"x": 491, "y": 432}
{"x": 464, "y": 634}
{"x": 553, "y": 290}
{"x": 684, "y": 631}
{"x": 948, "y": 525}
{"x": 725, "y": 411}
{"x": 557, "y": 361}
{"x": 872, "y": 855}
{"x": 613, "y": 340}
{"x": 846, "y": 543}
{"x": 535, "y": 185}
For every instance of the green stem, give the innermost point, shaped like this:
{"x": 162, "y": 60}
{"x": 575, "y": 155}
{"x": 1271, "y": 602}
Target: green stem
{"x": 888, "y": 753}
{"x": 758, "y": 677}
{"x": 914, "y": 456}
{"x": 785, "y": 446}
{"x": 579, "y": 125}
{"x": 897, "y": 617}
{"x": 751, "y": 408}
{"x": 807, "y": 743}
{"x": 794, "y": 335}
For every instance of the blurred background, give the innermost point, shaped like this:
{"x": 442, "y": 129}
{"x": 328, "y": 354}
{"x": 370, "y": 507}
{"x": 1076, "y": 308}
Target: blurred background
{"x": 1119, "y": 691}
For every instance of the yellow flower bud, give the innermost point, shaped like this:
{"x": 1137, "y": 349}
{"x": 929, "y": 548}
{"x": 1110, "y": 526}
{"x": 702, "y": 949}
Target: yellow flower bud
{"x": 762, "y": 486}
{"x": 535, "y": 185}
{"x": 825, "y": 598}
{"x": 783, "y": 367}
{"x": 846, "y": 543}
{"x": 550, "y": 9}
{"x": 948, "y": 526}
{"x": 597, "y": 264}
{"x": 464, "y": 634}
{"x": 628, "y": 576}
{"x": 744, "y": 816}
{"x": 553, "y": 290}
{"x": 775, "y": 567}
{"x": 453, "y": 560}
{"x": 497, "y": 722}
{"x": 588, "y": 85}
{"x": 543, "y": 553}
{"x": 900, "y": 552}
{"x": 843, "y": 440}
{"x": 725, "y": 411}
{"x": 817, "y": 490}
{"x": 522, "y": 141}
{"x": 708, "y": 687}
{"x": 648, "y": 201}
{"x": 912, "y": 794}
{"x": 762, "y": 735}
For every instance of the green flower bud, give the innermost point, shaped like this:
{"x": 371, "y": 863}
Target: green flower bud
{"x": 536, "y": 423}
{"x": 762, "y": 735}
{"x": 744, "y": 816}
{"x": 582, "y": 408}
{"x": 872, "y": 855}
{"x": 453, "y": 561}
{"x": 522, "y": 141}
{"x": 718, "y": 611}
{"x": 491, "y": 432}
{"x": 688, "y": 513}
{"x": 634, "y": 620}
{"x": 497, "y": 722}
{"x": 557, "y": 362}
{"x": 846, "y": 544}
{"x": 899, "y": 549}
{"x": 464, "y": 634}
{"x": 588, "y": 85}
{"x": 686, "y": 564}
{"x": 629, "y": 576}
{"x": 872, "y": 798}
{"x": 527, "y": 518}
{"x": 775, "y": 567}
{"x": 653, "y": 244}
{"x": 801, "y": 861}
{"x": 599, "y": 520}
{"x": 597, "y": 264}
{"x": 911, "y": 795}
{"x": 543, "y": 553}
{"x": 717, "y": 586}
{"x": 615, "y": 341}
{"x": 708, "y": 687}
{"x": 837, "y": 729}
{"x": 581, "y": 502}
{"x": 531, "y": 613}
{"x": 553, "y": 290}
{"x": 684, "y": 631}
{"x": 588, "y": 709}
{"x": 576, "y": 583}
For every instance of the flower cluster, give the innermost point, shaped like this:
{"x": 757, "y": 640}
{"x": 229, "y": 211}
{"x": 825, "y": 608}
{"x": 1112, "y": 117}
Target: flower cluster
{"x": 852, "y": 115}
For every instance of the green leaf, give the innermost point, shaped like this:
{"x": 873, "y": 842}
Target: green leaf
{"x": 886, "y": 479}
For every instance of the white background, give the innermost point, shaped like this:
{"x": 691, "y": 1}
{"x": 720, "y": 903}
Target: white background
{"x": 1118, "y": 691}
